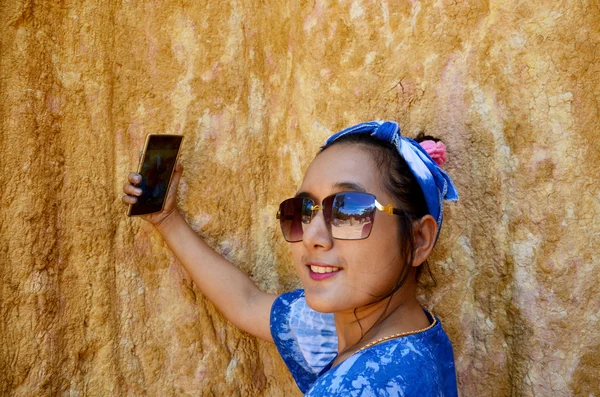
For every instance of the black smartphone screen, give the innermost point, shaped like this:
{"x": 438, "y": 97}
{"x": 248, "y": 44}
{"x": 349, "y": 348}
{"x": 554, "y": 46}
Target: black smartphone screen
{"x": 156, "y": 171}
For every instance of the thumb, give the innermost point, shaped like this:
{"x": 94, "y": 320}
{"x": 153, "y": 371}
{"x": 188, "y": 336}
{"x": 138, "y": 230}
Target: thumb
{"x": 178, "y": 168}
{"x": 177, "y": 174}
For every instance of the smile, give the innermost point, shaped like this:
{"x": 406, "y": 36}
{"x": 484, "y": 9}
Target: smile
{"x": 323, "y": 269}
{"x": 322, "y": 272}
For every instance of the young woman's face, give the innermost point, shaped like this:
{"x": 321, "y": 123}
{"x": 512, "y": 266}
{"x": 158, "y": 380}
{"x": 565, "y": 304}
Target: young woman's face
{"x": 365, "y": 270}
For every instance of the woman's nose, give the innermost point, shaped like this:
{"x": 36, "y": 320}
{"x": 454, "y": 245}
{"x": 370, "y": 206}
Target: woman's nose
{"x": 316, "y": 233}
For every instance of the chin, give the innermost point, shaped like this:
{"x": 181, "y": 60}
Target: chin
{"x": 321, "y": 302}
{"x": 319, "y": 306}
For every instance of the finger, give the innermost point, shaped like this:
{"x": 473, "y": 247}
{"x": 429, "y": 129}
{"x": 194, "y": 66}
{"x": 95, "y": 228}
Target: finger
{"x": 129, "y": 199}
{"x": 134, "y": 178}
{"x": 132, "y": 190}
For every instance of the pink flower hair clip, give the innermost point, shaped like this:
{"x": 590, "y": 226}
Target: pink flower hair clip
{"x": 436, "y": 150}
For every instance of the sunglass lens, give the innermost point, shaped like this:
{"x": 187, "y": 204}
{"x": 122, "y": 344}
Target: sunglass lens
{"x": 294, "y": 215}
{"x": 350, "y": 215}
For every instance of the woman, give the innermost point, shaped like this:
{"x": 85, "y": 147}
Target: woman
{"x": 364, "y": 221}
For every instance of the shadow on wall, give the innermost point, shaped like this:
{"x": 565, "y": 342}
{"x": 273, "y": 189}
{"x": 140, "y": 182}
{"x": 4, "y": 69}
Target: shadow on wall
{"x": 584, "y": 381}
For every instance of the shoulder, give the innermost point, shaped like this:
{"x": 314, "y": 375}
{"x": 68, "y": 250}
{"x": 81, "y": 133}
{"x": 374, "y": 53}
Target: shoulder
{"x": 418, "y": 365}
{"x": 305, "y": 338}
{"x": 281, "y": 305}
{"x": 290, "y": 312}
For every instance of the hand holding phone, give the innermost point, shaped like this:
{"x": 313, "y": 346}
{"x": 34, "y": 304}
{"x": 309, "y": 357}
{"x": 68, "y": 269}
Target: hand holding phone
{"x": 151, "y": 191}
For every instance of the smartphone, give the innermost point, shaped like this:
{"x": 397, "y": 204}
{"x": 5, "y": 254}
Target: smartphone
{"x": 157, "y": 163}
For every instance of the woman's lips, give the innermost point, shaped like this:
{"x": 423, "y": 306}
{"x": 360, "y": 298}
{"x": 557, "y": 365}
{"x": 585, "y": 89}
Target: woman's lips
{"x": 321, "y": 272}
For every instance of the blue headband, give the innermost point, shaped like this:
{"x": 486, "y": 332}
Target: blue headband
{"x": 435, "y": 183}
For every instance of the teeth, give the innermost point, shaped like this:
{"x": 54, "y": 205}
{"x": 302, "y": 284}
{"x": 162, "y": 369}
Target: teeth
{"x": 321, "y": 269}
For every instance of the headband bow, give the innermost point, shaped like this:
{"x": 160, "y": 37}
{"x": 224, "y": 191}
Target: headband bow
{"x": 435, "y": 183}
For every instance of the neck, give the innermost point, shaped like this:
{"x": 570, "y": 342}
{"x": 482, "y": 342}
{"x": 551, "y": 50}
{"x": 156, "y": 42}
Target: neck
{"x": 400, "y": 312}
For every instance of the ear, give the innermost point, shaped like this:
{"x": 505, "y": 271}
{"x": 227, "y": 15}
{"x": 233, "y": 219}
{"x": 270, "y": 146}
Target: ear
{"x": 425, "y": 231}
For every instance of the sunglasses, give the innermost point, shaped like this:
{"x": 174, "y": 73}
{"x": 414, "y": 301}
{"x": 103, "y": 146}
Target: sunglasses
{"x": 348, "y": 215}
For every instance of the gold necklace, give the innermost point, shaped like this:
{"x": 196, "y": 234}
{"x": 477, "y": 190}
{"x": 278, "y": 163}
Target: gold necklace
{"x": 394, "y": 336}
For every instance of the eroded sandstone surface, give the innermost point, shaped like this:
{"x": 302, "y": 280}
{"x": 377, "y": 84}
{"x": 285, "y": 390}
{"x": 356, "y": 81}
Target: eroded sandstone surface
{"x": 94, "y": 304}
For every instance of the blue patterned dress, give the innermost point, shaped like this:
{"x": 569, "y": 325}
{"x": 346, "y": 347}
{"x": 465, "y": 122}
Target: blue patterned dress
{"x": 415, "y": 365}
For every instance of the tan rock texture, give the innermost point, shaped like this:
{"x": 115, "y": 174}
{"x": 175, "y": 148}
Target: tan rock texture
{"x": 94, "y": 304}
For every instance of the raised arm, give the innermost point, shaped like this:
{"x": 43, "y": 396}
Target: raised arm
{"x": 231, "y": 290}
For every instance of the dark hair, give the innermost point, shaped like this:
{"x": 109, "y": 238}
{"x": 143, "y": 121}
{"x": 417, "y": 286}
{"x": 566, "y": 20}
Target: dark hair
{"x": 397, "y": 180}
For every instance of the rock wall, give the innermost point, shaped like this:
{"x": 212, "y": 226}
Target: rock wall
{"x": 94, "y": 304}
